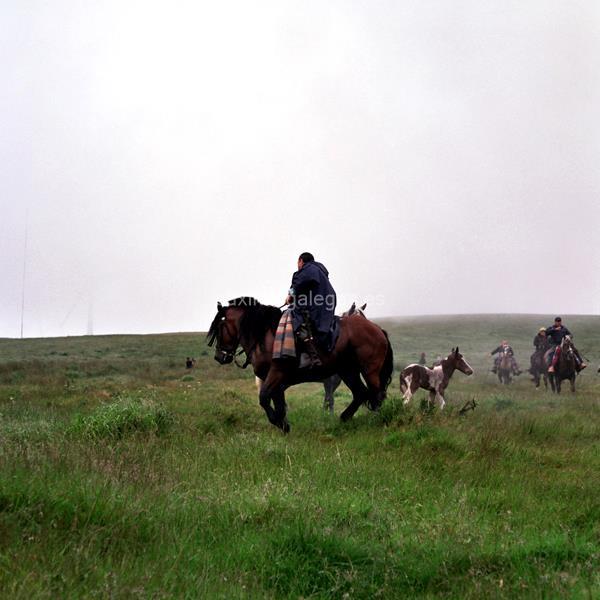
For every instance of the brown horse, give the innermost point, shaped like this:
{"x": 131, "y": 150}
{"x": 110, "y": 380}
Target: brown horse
{"x": 539, "y": 368}
{"x": 333, "y": 383}
{"x": 361, "y": 350}
{"x": 565, "y": 367}
{"x": 505, "y": 367}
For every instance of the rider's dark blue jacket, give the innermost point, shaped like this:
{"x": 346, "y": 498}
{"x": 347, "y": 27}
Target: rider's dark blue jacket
{"x": 555, "y": 335}
{"x": 314, "y": 293}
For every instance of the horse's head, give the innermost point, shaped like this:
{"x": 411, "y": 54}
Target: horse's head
{"x": 567, "y": 348}
{"x": 459, "y": 362}
{"x": 244, "y": 321}
{"x": 225, "y": 331}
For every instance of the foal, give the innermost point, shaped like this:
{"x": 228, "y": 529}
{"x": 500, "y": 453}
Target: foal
{"x": 434, "y": 380}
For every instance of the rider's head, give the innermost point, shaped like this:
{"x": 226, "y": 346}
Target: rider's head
{"x": 504, "y": 342}
{"x": 542, "y": 330}
{"x": 557, "y": 322}
{"x": 304, "y": 258}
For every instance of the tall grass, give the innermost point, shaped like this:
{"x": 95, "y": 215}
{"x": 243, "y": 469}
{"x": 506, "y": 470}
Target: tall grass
{"x": 137, "y": 478}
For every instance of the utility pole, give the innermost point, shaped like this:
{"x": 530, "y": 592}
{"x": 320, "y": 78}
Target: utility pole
{"x": 90, "y": 321}
{"x": 24, "y": 272}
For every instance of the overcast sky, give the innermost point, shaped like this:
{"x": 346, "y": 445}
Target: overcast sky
{"x": 436, "y": 156}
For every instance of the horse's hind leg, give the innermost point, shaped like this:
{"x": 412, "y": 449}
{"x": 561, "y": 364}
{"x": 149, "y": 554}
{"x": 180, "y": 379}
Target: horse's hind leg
{"x": 441, "y": 400}
{"x": 432, "y": 397}
{"x": 406, "y": 388}
{"x": 359, "y": 393}
{"x": 374, "y": 391}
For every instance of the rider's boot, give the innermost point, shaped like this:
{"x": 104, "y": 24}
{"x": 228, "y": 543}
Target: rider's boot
{"x": 310, "y": 358}
{"x": 579, "y": 364}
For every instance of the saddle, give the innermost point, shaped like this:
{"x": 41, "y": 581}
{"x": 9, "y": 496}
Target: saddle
{"x": 328, "y": 341}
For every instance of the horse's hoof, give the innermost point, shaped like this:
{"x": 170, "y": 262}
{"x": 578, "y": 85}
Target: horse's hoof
{"x": 285, "y": 427}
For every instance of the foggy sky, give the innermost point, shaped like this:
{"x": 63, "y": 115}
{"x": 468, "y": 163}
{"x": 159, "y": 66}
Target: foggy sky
{"x": 437, "y": 157}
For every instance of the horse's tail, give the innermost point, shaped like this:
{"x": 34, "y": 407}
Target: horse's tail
{"x": 385, "y": 374}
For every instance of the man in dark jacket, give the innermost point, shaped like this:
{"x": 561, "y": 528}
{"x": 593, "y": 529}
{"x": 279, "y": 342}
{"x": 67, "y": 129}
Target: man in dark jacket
{"x": 313, "y": 302}
{"x": 541, "y": 344}
{"x": 555, "y": 335}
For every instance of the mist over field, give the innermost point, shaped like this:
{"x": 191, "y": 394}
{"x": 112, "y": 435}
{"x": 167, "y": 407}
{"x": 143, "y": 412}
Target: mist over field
{"x": 436, "y": 157}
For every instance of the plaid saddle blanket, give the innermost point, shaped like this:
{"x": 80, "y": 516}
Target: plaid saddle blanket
{"x": 284, "y": 345}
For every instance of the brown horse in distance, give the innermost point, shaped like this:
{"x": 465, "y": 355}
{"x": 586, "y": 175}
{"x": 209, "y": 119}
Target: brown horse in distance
{"x": 361, "y": 350}
{"x": 539, "y": 368}
{"x": 505, "y": 367}
{"x": 565, "y": 367}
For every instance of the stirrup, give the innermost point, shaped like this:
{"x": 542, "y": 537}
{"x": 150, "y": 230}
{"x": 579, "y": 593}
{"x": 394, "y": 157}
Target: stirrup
{"x": 307, "y": 360}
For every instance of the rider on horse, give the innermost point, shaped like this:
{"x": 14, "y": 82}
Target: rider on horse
{"x": 555, "y": 334}
{"x": 312, "y": 300}
{"x": 505, "y": 346}
{"x": 541, "y": 344}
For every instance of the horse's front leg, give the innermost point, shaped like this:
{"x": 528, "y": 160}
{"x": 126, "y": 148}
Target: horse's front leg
{"x": 440, "y": 399}
{"x": 573, "y": 383}
{"x": 272, "y": 389}
{"x": 281, "y": 410}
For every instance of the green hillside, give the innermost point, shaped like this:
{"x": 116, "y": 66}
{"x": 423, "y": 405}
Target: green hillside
{"x": 122, "y": 474}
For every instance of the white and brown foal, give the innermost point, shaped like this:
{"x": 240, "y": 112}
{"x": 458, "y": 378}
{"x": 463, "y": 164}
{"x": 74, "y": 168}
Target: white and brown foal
{"x": 434, "y": 380}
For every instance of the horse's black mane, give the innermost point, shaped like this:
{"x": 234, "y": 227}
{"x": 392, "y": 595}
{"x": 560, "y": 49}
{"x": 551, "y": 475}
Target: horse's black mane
{"x": 256, "y": 321}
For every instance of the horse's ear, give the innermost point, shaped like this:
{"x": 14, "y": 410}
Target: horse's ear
{"x": 352, "y": 309}
{"x": 219, "y": 306}
{"x": 456, "y": 351}
{"x": 452, "y": 352}
{"x": 363, "y": 306}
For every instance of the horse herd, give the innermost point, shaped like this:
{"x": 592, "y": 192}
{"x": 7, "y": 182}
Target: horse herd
{"x": 362, "y": 358}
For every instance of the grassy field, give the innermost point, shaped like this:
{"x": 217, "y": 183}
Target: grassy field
{"x": 124, "y": 475}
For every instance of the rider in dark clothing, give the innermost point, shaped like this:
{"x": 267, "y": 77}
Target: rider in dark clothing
{"x": 555, "y": 335}
{"x": 313, "y": 302}
{"x": 557, "y": 332}
{"x": 505, "y": 345}
{"x": 540, "y": 343}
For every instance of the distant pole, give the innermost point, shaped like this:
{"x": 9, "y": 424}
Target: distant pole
{"x": 24, "y": 272}
{"x": 90, "y": 322}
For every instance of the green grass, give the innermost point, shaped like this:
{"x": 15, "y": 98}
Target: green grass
{"x": 122, "y": 474}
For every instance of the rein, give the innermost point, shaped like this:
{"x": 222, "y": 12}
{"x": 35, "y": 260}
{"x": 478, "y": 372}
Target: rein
{"x": 248, "y": 357}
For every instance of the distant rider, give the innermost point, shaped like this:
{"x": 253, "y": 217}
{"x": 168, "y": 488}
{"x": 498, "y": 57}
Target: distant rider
{"x": 541, "y": 344}
{"x": 555, "y": 335}
{"x": 505, "y": 346}
{"x": 312, "y": 300}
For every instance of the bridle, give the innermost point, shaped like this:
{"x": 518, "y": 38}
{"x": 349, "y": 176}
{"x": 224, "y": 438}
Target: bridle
{"x": 231, "y": 353}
